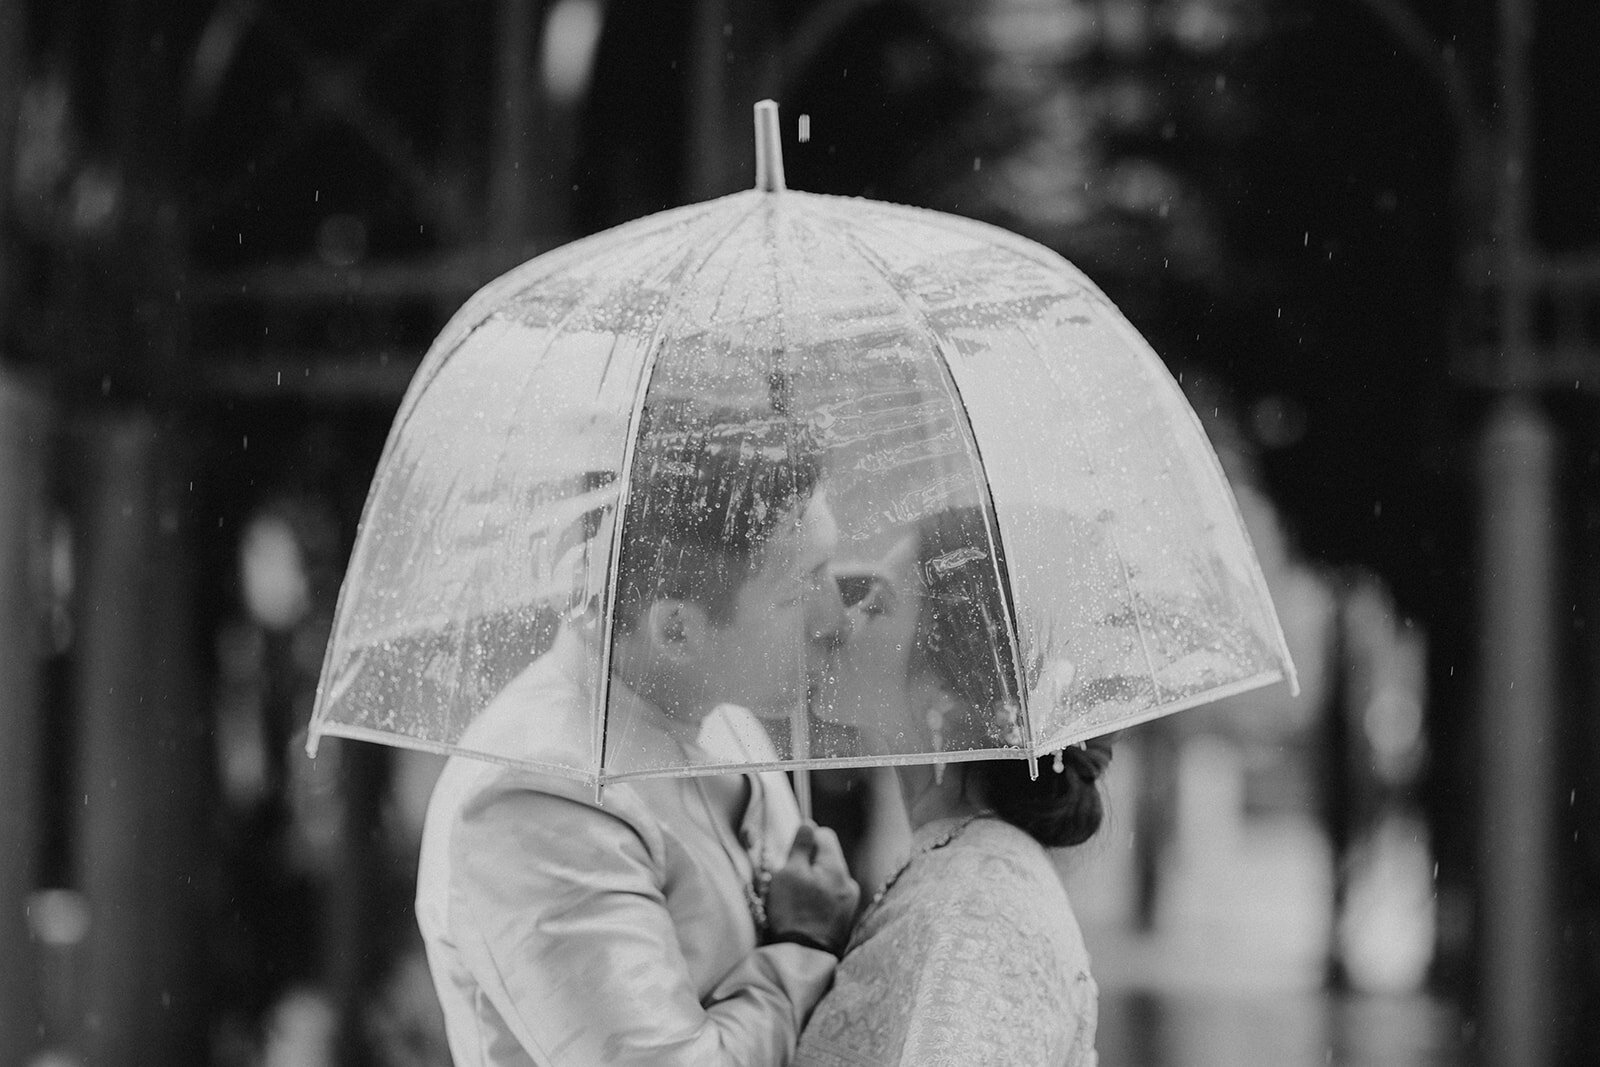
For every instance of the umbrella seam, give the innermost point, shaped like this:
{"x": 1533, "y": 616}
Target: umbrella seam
{"x": 918, "y": 314}
{"x": 625, "y": 474}
{"x": 1049, "y": 370}
{"x": 799, "y": 734}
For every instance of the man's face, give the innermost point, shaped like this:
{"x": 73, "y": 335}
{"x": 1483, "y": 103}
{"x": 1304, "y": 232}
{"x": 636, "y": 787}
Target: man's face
{"x": 788, "y": 618}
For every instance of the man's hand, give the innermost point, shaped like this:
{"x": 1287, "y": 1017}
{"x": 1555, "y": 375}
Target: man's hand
{"x": 812, "y": 898}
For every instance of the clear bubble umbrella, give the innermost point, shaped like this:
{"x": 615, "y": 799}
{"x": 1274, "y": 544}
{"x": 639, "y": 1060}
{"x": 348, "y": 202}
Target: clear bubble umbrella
{"x": 929, "y": 366}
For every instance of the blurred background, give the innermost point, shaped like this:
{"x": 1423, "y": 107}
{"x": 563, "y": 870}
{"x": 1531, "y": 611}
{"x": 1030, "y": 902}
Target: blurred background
{"x": 1364, "y": 234}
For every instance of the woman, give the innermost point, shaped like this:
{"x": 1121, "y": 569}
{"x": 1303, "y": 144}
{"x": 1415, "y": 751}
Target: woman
{"x": 969, "y": 953}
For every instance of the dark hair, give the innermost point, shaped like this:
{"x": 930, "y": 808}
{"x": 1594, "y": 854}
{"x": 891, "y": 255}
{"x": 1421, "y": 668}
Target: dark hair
{"x": 961, "y": 635}
{"x": 1056, "y": 810}
{"x": 707, "y": 489}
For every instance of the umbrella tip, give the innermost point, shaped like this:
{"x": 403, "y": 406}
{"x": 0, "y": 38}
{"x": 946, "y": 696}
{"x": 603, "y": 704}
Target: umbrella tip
{"x": 769, "y": 149}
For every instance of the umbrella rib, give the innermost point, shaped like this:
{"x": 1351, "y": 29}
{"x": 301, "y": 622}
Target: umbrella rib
{"x": 799, "y": 731}
{"x": 919, "y": 319}
{"x": 625, "y": 473}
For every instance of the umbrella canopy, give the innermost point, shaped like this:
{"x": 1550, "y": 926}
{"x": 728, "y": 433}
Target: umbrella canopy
{"x": 921, "y": 365}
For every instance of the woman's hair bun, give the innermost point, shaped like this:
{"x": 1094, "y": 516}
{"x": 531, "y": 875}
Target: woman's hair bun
{"x": 1055, "y": 809}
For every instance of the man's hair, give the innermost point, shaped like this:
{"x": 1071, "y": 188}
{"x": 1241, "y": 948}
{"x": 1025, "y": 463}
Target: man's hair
{"x": 708, "y": 487}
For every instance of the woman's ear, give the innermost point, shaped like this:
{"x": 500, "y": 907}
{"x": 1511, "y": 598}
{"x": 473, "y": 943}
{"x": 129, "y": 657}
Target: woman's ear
{"x": 676, "y": 630}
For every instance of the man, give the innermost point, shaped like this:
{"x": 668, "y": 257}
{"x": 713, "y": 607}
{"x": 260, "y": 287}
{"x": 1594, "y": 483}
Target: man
{"x": 562, "y": 931}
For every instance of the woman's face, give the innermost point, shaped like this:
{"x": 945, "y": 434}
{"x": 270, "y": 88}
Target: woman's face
{"x": 875, "y": 687}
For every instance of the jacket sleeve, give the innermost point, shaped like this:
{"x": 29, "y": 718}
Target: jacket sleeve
{"x": 563, "y": 918}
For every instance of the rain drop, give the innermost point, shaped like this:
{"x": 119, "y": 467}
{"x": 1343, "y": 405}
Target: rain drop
{"x": 804, "y": 129}
{"x": 977, "y": 164}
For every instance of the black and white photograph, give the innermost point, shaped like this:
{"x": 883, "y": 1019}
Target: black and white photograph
{"x": 832, "y": 533}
